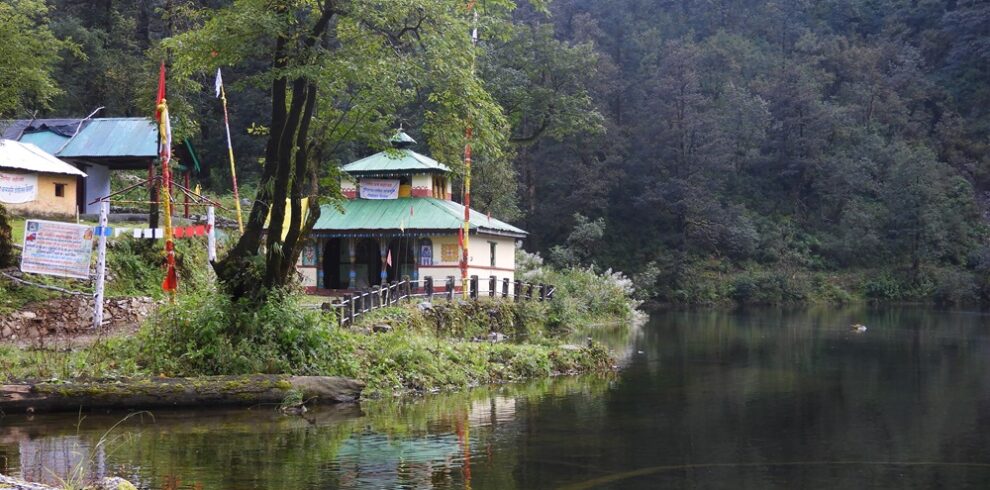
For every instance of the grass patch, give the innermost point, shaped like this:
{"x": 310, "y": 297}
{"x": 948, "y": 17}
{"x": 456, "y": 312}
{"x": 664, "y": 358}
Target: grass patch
{"x": 205, "y": 333}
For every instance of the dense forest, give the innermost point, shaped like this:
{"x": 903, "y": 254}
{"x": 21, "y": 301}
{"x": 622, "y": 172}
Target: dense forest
{"x": 755, "y": 150}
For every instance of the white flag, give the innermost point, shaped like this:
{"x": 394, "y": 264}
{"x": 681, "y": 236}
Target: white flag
{"x": 218, "y": 85}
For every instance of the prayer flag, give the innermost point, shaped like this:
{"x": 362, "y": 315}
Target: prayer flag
{"x": 200, "y": 230}
{"x": 388, "y": 259}
{"x": 161, "y": 91}
{"x": 218, "y": 84}
{"x": 138, "y": 233}
{"x": 171, "y": 281}
{"x": 179, "y": 232}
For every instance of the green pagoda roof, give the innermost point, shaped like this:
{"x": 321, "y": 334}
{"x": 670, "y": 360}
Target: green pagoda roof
{"x": 395, "y": 161}
{"x": 420, "y": 215}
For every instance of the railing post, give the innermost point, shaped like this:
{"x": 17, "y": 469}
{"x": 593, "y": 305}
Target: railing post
{"x": 529, "y": 292}
{"x": 348, "y": 308}
{"x": 376, "y": 297}
{"x": 505, "y": 287}
{"x": 429, "y": 288}
{"x": 517, "y": 291}
{"x": 474, "y": 287}
{"x": 492, "y": 286}
{"x": 543, "y": 292}
{"x": 450, "y": 288}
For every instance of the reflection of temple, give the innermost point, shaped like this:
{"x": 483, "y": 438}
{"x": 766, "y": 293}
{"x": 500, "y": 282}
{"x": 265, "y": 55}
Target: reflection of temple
{"x": 52, "y": 459}
{"x": 398, "y": 221}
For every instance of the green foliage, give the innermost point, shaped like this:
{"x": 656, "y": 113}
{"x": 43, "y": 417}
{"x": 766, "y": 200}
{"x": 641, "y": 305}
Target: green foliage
{"x": 882, "y": 287}
{"x": 6, "y": 239}
{"x": 28, "y": 54}
{"x": 205, "y": 332}
{"x": 582, "y": 295}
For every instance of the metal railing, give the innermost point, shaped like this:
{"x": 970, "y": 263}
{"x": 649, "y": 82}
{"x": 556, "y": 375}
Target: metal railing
{"x": 363, "y": 301}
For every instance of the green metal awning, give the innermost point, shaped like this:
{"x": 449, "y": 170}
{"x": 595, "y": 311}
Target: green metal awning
{"x": 410, "y": 215}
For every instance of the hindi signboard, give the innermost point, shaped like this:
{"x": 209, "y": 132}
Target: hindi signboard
{"x": 18, "y": 188}
{"x": 379, "y": 188}
{"x": 57, "y": 249}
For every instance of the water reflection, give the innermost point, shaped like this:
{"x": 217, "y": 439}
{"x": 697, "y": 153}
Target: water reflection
{"x": 709, "y": 399}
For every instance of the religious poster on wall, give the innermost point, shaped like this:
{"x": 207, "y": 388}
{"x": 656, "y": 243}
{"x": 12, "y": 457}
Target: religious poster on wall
{"x": 308, "y": 255}
{"x": 57, "y": 249}
{"x": 449, "y": 252}
{"x": 379, "y": 188}
{"x": 18, "y": 188}
{"x": 426, "y": 253}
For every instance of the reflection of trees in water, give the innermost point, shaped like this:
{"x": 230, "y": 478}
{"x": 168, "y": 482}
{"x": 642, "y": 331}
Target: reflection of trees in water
{"x": 421, "y": 443}
{"x": 779, "y": 386}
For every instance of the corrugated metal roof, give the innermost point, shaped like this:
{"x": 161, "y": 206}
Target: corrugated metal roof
{"x": 45, "y": 140}
{"x": 395, "y": 161}
{"x": 114, "y": 137}
{"x": 410, "y": 213}
{"x": 108, "y": 137}
{"x": 25, "y": 156}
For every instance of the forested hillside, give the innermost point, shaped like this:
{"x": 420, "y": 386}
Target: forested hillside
{"x": 755, "y": 150}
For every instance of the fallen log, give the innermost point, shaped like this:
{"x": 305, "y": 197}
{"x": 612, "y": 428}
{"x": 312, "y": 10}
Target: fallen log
{"x": 152, "y": 393}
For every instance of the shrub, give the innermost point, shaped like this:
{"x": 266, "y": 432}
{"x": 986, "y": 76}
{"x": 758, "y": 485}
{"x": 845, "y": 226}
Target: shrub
{"x": 205, "y": 332}
{"x": 882, "y": 287}
{"x": 955, "y": 288}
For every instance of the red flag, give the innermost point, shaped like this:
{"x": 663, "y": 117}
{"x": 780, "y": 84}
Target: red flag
{"x": 388, "y": 259}
{"x": 171, "y": 282}
{"x": 161, "y": 92}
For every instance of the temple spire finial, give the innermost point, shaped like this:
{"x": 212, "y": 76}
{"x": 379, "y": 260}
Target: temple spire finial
{"x": 401, "y": 139}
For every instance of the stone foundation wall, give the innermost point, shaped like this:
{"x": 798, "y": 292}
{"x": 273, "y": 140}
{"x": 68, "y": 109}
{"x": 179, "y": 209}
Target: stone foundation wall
{"x": 72, "y": 316}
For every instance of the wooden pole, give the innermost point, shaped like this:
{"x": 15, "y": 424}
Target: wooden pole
{"x": 468, "y": 134}
{"x": 230, "y": 153}
{"x": 101, "y": 267}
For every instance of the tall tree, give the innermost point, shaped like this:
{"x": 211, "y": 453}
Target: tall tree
{"x": 338, "y": 70}
{"x": 28, "y": 54}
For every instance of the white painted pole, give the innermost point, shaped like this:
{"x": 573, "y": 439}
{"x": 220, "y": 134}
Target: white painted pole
{"x": 211, "y": 235}
{"x": 101, "y": 267}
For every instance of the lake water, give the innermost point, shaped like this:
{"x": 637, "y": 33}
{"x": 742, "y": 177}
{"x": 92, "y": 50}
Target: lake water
{"x": 705, "y": 399}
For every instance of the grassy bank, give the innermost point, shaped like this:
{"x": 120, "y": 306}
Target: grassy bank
{"x": 444, "y": 346}
{"x": 425, "y": 350}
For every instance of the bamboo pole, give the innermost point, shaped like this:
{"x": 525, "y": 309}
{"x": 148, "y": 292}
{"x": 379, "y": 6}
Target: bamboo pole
{"x": 230, "y": 153}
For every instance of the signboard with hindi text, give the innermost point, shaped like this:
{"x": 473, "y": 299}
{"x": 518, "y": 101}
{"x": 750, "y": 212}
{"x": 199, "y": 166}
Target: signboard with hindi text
{"x": 18, "y": 188}
{"x": 379, "y": 188}
{"x": 57, "y": 249}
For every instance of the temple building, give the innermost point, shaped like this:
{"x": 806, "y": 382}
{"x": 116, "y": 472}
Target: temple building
{"x": 399, "y": 221}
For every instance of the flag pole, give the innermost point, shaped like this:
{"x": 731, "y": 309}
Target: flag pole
{"x": 468, "y": 133}
{"x": 171, "y": 282}
{"x": 222, "y": 93}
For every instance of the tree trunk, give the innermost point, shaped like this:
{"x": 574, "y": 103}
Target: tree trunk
{"x": 6, "y": 240}
{"x": 176, "y": 392}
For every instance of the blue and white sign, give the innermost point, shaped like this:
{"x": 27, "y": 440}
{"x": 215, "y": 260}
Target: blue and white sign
{"x": 379, "y": 188}
{"x": 18, "y": 188}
